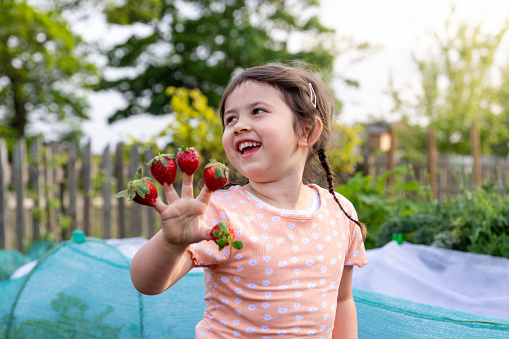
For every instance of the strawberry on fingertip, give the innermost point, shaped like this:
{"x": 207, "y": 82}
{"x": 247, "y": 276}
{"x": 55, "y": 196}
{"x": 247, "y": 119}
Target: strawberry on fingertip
{"x": 140, "y": 190}
{"x": 188, "y": 160}
{"x": 215, "y": 175}
{"x": 163, "y": 168}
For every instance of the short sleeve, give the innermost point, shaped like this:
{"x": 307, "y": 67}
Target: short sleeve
{"x": 206, "y": 253}
{"x": 356, "y": 254}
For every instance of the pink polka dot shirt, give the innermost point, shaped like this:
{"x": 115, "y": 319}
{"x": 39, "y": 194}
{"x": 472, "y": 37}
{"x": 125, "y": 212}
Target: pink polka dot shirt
{"x": 285, "y": 280}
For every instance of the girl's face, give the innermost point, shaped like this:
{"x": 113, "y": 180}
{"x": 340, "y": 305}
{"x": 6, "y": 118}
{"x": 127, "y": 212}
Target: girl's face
{"x": 259, "y": 137}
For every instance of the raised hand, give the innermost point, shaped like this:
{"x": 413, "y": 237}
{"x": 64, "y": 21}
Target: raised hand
{"x": 182, "y": 220}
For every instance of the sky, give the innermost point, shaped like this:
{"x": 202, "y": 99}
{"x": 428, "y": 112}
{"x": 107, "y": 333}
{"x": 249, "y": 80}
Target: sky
{"x": 397, "y": 27}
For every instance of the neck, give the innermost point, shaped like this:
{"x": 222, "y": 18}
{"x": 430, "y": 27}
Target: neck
{"x": 284, "y": 195}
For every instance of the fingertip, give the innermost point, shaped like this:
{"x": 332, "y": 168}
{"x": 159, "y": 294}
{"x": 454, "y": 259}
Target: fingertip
{"x": 205, "y": 194}
{"x": 159, "y": 206}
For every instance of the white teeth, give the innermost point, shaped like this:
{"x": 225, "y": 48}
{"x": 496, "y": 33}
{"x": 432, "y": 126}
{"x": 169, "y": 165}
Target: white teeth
{"x": 245, "y": 144}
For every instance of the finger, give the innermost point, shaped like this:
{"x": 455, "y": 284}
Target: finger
{"x": 160, "y": 206}
{"x": 204, "y": 195}
{"x": 187, "y": 186}
{"x": 170, "y": 193}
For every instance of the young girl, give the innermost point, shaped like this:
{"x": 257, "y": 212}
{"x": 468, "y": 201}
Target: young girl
{"x": 293, "y": 276}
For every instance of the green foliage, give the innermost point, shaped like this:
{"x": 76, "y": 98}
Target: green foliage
{"x": 475, "y": 221}
{"x": 42, "y": 76}
{"x": 376, "y": 202}
{"x": 343, "y": 153}
{"x": 202, "y": 44}
{"x": 460, "y": 86}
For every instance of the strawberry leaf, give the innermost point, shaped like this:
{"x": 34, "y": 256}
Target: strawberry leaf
{"x": 138, "y": 174}
{"x": 218, "y": 173}
{"x": 222, "y": 242}
{"x": 121, "y": 194}
{"x": 224, "y": 227}
{"x": 142, "y": 189}
{"x": 237, "y": 244}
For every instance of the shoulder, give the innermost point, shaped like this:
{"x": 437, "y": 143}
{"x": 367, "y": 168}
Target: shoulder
{"x": 329, "y": 199}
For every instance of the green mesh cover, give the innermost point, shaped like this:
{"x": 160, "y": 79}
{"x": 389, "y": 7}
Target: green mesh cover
{"x": 84, "y": 290}
{"x": 10, "y": 260}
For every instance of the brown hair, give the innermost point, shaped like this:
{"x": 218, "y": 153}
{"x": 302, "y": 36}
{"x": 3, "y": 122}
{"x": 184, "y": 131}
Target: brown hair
{"x": 294, "y": 85}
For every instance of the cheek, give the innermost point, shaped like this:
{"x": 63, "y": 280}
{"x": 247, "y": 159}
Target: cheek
{"x": 227, "y": 142}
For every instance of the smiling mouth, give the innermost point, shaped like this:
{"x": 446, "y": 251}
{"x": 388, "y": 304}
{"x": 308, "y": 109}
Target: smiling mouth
{"x": 248, "y": 147}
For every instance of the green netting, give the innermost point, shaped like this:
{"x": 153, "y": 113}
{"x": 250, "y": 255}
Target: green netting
{"x": 84, "y": 290}
{"x": 11, "y": 260}
{"x": 381, "y": 316}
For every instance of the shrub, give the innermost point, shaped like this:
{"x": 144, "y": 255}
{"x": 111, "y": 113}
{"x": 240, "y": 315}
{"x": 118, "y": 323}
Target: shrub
{"x": 476, "y": 221}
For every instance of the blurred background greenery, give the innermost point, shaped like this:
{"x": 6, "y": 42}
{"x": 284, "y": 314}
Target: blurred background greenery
{"x": 188, "y": 50}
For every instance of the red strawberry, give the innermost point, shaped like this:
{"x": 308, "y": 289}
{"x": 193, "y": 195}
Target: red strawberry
{"x": 140, "y": 190}
{"x": 163, "y": 168}
{"x": 188, "y": 160}
{"x": 215, "y": 175}
{"x": 224, "y": 235}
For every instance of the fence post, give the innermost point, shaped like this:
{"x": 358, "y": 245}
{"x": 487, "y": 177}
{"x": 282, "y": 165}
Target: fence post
{"x": 52, "y": 190}
{"x": 149, "y": 154}
{"x": 119, "y": 176}
{"x": 18, "y": 173}
{"x": 476, "y": 153}
{"x": 86, "y": 174}
{"x": 432, "y": 161}
{"x": 4, "y": 179}
{"x": 391, "y": 161}
{"x": 136, "y": 210}
{"x": 72, "y": 187}
{"x": 106, "y": 187}
{"x": 35, "y": 181}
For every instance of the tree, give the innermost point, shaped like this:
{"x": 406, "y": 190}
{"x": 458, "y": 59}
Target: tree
{"x": 202, "y": 43}
{"x": 460, "y": 86}
{"x": 42, "y": 75}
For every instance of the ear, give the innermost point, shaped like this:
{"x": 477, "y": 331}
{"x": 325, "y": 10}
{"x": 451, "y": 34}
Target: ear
{"x": 308, "y": 136}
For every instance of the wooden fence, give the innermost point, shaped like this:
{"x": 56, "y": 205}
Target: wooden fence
{"x": 50, "y": 190}
{"x": 452, "y": 173}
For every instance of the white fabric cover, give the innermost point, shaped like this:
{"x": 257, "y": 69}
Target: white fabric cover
{"x": 468, "y": 282}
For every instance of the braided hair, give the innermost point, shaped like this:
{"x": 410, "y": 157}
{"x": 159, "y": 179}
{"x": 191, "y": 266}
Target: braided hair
{"x": 309, "y": 98}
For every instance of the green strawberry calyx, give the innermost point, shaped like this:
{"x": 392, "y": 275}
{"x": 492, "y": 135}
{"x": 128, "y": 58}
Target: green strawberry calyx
{"x": 160, "y": 158}
{"x": 225, "y": 237}
{"x": 185, "y": 149}
{"x": 136, "y": 186}
{"x": 221, "y": 169}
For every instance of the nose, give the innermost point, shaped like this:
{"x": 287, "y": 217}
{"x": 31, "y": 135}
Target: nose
{"x": 240, "y": 127}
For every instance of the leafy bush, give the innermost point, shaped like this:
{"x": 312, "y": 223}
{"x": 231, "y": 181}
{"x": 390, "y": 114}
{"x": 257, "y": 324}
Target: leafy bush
{"x": 376, "y": 202}
{"x": 474, "y": 221}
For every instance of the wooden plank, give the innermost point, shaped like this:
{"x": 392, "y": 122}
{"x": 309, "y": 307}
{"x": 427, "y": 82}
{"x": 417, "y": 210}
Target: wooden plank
{"x": 476, "y": 153}
{"x": 121, "y": 184}
{"x": 35, "y": 185}
{"x": 432, "y": 162}
{"x": 136, "y": 210}
{"x": 18, "y": 174}
{"x": 391, "y": 156}
{"x": 4, "y": 179}
{"x": 106, "y": 192}
{"x": 86, "y": 175}
{"x": 152, "y": 213}
{"x": 72, "y": 186}
{"x": 53, "y": 190}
